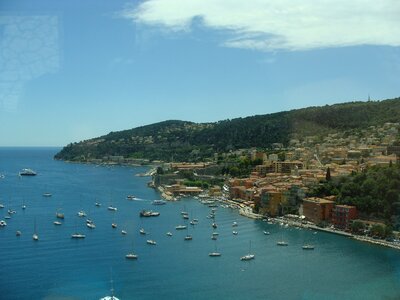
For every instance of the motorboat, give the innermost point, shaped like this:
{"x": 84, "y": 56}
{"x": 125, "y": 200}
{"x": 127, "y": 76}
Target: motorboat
{"x": 81, "y": 214}
{"x": 248, "y": 257}
{"x": 3, "y": 223}
{"x": 47, "y": 194}
{"x": 131, "y": 256}
{"x": 97, "y": 204}
{"x": 91, "y": 225}
{"x": 151, "y": 242}
{"x": 169, "y": 233}
{"x": 188, "y": 237}
{"x": 57, "y": 223}
{"x": 214, "y": 254}
{"x": 18, "y": 233}
{"x": 131, "y": 197}
{"x": 282, "y": 243}
{"x": 149, "y": 213}
{"x": 234, "y": 232}
{"x": 112, "y": 208}
{"x": 61, "y": 215}
{"x": 159, "y": 202}
{"x": 1, "y": 205}
{"x": 27, "y": 172}
{"x": 78, "y": 236}
{"x": 180, "y": 227}
{"x": 234, "y": 224}
{"x": 114, "y": 225}
{"x": 123, "y": 232}
{"x": 266, "y": 232}
{"x": 142, "y": 231}
{"x": 308, "y": 247}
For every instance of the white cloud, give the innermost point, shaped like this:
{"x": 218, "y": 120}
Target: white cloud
{"x": 280, "y": 24}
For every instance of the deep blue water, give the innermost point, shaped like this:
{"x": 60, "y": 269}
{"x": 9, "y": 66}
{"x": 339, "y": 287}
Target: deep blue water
{"x": 58, "y": 267}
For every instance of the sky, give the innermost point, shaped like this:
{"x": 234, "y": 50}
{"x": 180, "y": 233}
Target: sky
{"x": 71, "y": 70}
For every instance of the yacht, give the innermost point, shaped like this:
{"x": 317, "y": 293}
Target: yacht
{"x": 151, "y": 242}
{"x": 3, "y": 223}
{"x": 131, "y": 256}
{"x": 186, "y": 217}
{"x": 234, "y": 224}
{"x": 188, "y": 237}
{"x": 234, "y": 232}
{"x": 123, "y": 232}
{"x": 214, "y": 254}
{"x": 81, "y": 214}
{"x": 114, "y": 225}
{"x": 27, "y": 172}
{"x": 61, "y": 215}
{"x": 47, "y": 195}
{"x": 180, "y": 227}
{"x": 142, "y": 231}
{"x": 214, "y": 225}
{"x": 112, "y": 297}
{"x": 266, "y": 232}
{"x": 1, "y": 205}
{"x": 18, "y": 233}
{"x": 131, "y": 197}
{"x": 169, "y": 233}
{"x": 57, "y": 223}
{"x": 97, "y": 204}
{"x": 149, "y": 213}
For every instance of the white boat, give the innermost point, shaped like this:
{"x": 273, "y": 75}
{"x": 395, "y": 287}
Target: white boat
{"x": 159, "y": 202}
{"x": 234, "y": 224}
{"x": 151, "y": 242}
{"x": 97, "y": 204}
{"x": 112, "y": 208}
{"x": 57, "y": 223}
{"x": 308, "y": 247}
{"x": 1, "y": 205}
{"x": 142, "y": 231}
{"x": 35, "y": 236}
{"x": 131, "y": 197}
{"x": 114, "y": 225}
{"x": 234, "y": 232}
{"x": 112, "y": 297}
{"x": 266, "y": 232}
{"x": 81, "y": 214}
{"x": 47, "y": 194}
{"x": 169, "y": 233}
{"x": 131, "y": 256}
{"x": 7, "y": 217}
{"x": 3, "y": 223}
{"x": 18, "y": 233}
{"x": 282, "y": 243}
{"x": 91, "y": 225}
{"x": 27, "y": 172}
{"x": 123, "y": 232}
{"x": 215, "y": 253}
{"x": 214, "y": 225}
{"x": 249, "y": 256}
{"x": 78, "y": 236}
{"x": 60, "y": 215}
{"x": 180, "y": 227}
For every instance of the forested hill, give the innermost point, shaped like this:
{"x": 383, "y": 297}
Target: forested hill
{"x": 188, "y": 141}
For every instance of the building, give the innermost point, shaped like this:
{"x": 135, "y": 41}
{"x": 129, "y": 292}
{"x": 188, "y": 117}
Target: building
{"x": 317, "y": 210}
{"x": 342, "y": 216}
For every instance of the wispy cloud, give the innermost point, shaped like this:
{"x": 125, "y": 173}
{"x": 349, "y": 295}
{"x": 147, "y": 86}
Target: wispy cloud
{"x": 279, "y": 24}
{"x": 28, "y": 49}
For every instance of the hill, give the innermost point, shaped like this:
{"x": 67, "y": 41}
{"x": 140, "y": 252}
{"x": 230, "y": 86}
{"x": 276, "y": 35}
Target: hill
{"x": 187, "y": 141}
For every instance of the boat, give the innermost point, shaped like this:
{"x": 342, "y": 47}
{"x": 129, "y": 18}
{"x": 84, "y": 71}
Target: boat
{"x": 91, "y": 225}
{"x": 35, "y": 236}
{"x": 234, "y": 224}
{"x": 57, "y": 223}
{"x": 248, "y": 256}
{"x": 97, "y": 204}
{"x": 151, "y": 242}
{"x": 27, "y": 172}
{"x": 7, "y": 217}
{"x": 81, "y": 214}
{"x": 131, "y": 197}
{"x": 142, "y": 231}
{"x": 169, "y": 233}
{"x": 47, "y": 194}
{"x": 18, "y": 233}
{"x": 11, "y": 212}
{"x": 186, "y": 217}
{"x": 159, "y": 202}
{"x": 180, "y": 227}
{"x": 78, "y": 236}
{"x": 282, "y": 243}
{"x": 123, "y": 232}
{"x": 149, "y": 213}
{"x": 61, "y": 215}
{"x": 131, "y": 256}
{"x": 214, "y": 225}
{"x": 234, "y": 232}
{"x": 114, "y": 225}
{"x": 1, "y": 205}
{"x": 308, "y": 247}
{"x": 215, "y": 253}
{"x": 266, "y": 232}
{"x": 188, "y": 236}
{"x": 112, "y": 208}
{"x": 3, "y": 223}
{"x": 112, "y": 297}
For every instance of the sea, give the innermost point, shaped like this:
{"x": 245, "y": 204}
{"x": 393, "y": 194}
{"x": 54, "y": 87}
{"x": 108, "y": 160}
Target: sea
{"x": 59, "y": 267}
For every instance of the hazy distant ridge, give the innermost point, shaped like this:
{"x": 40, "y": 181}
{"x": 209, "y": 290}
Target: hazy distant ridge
{"x": 184, "y": 141}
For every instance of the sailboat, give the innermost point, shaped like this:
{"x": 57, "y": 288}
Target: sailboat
{"x": 282, "y": 242}
{"x": 188, "y": 236}
{"x": 131, "y": 255}
{"x": 215, "y": 253}
{"x": 112, "y": 297}
{"x": 35, "y": 236}
{"x": 77, "y": 235}
{"x": 248, "y": 256}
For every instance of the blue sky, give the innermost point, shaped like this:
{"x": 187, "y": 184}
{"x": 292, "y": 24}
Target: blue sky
{"x": 72, "y": 70}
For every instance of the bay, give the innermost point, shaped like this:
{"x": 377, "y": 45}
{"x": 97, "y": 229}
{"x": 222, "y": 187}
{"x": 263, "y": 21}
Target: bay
{"x": 58, "y": 267}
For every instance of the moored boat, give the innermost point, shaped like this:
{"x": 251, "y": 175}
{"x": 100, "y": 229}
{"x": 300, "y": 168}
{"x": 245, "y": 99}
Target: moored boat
{"x": 27, "y": 172}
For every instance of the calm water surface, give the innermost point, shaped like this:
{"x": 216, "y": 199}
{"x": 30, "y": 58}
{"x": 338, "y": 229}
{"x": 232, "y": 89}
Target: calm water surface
{"x": 58, "y": 267}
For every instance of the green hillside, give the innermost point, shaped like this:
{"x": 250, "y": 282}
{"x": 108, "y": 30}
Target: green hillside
{"x": 187, "y": 141}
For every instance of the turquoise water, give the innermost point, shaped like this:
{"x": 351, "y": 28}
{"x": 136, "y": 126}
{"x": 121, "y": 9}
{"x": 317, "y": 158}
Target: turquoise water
{"x": 57, "y": 267}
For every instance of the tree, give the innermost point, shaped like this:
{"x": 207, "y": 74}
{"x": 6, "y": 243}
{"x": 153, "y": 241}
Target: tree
{"x": 328, "y": 174}
{"x": 357, "y": 226}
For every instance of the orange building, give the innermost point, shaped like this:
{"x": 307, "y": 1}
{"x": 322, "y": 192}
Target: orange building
{"x": 342, "y": 215}
{"x": 317, "y": 209}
